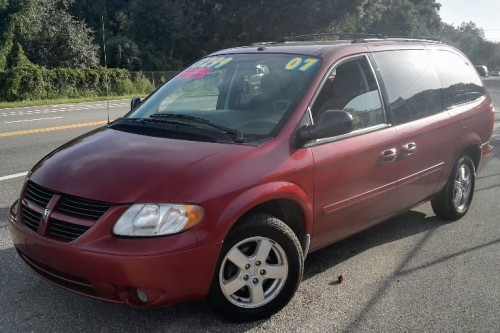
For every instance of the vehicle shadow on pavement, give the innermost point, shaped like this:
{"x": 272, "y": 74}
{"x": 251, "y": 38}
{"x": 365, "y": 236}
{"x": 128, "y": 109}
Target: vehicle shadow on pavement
{"x": 496, "y": 145}
{"x": 402, "y": 226}
{"x": 492, "y": 174}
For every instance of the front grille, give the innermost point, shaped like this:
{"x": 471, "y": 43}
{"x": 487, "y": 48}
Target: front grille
{"x": 39, "y": 195}
{"x": 83, "y": 208}
{"x": 75, "y": 206}
{"x": 31, "y": 218}
{"x": 73, "y": 209}
{"x": 66, "y": 231}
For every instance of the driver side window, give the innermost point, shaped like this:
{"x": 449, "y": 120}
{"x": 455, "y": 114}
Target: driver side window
{"x": 351, "y": 86}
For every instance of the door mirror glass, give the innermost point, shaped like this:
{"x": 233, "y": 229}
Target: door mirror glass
{"x": 135, "y": 102}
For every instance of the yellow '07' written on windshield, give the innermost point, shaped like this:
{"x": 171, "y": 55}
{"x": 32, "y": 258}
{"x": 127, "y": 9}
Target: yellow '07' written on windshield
{"x": 300, "y": 64}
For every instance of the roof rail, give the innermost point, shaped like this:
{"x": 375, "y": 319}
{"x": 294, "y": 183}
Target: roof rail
{"x": 353, "y": 35}
{"x": 423, "y": 38}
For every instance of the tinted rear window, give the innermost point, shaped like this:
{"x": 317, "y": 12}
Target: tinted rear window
{"x": 412, "y": 84}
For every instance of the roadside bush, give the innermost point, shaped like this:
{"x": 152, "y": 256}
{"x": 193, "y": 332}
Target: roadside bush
{"x": 31, "y": 82}
{"x": 142, "y": 85}
{"x": 25, "y": 83}
{"x": 125, "y": 87}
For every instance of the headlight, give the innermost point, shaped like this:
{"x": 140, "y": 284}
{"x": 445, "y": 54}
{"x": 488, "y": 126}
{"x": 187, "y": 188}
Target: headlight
{"x": 145, "y": 220}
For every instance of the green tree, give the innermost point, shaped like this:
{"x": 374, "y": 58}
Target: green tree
{"x": 411, "y": 18}
{"x": 165, "y": 30}
{"x": 179, "y": 30}
{"x": 122, "y": 52}
{"x": 266, "y": 20}
{"x": 170, "y": 34}
{"x": 52, "y": 38}
{"x": 16, "y": 57}
{"x": 9, "y": 13}
{"x": 470, "y": 40}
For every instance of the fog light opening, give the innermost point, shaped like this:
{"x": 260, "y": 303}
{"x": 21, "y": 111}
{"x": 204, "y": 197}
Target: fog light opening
{"x": 141, "y": 295}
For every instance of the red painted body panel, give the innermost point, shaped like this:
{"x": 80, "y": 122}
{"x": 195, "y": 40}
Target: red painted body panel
{"x": 420, "y": 173}
{"x": 353, "y": 185}
{"x": 167, "y": 277}
{"x": 119, "y": 167}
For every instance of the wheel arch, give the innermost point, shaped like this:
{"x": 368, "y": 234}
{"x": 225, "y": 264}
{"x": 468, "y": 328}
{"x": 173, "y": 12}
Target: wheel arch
{"x": 285, "y": 201}
{"x": 474, "y": 153}
{"x": 471, "y": 146}
{"x": 286, "y": 210}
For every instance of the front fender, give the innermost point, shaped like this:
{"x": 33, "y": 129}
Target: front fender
{"x": 249, "y": 199}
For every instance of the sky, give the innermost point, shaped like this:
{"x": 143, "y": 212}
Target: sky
{"x": 485, "y": 13}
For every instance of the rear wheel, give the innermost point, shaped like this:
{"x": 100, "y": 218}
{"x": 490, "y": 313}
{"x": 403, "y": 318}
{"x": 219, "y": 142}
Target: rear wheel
{"x": 454, "y": 200}
{"x": 258, "y": 271}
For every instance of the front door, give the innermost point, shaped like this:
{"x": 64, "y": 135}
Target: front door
{"x": 354, "y": 174}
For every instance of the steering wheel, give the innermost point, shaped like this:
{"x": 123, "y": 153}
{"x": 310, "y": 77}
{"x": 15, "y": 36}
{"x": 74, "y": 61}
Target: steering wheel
{"x": 280, "y": 105}
{"x": 263, "y": 123}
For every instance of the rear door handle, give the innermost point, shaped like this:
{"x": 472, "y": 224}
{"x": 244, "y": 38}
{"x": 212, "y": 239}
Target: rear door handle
{"x": 389, "y": 155}
{"x": 409, "y": 148}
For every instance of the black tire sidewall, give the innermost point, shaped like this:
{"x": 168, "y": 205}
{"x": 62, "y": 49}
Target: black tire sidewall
{"x": 443, "y": 204}
{"x": 465, "y": 160}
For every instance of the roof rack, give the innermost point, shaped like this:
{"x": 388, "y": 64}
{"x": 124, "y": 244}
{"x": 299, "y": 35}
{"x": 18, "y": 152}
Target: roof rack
{"x": 423, "y": 38}
{"x": 353, "y": 35}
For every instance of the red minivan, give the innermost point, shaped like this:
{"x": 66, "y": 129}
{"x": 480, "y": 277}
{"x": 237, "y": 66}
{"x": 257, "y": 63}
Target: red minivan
{"x": 220, "y": 183}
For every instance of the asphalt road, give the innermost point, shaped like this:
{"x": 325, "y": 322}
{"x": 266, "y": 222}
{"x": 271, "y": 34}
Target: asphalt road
{"x": 413, "y": 273}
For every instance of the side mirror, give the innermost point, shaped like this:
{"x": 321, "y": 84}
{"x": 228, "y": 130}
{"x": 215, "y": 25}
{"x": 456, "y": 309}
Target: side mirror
{"x": 331, "y": 123}
{"x": 134, "y": 102}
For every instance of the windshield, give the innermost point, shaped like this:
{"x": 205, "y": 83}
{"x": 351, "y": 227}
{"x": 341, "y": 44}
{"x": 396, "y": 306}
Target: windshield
{"x": 247, "y": 95}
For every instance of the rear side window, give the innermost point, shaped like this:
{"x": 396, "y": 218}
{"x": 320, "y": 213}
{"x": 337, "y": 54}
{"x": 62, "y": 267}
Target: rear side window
{"x": 412, "y": 84}
{"x": 461, "y": 83}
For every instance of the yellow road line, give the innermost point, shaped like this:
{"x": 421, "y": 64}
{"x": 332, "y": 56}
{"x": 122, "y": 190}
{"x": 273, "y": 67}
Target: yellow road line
{"x": 51, "y": 129}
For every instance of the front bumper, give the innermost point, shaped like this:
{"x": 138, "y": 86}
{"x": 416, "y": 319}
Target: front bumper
{"x": 165, "y": 277}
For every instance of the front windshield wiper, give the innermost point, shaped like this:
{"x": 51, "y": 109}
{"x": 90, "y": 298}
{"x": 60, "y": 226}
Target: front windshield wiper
{"x": 237, "y": 134}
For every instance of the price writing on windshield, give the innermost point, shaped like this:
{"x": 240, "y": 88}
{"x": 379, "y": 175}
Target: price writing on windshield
{"x": 300, "y": 64}
{"x": 214, "y": 62}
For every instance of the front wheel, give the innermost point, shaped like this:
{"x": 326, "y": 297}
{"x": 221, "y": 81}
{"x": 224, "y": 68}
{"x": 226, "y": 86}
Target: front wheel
{"x": 455, "y": 199}
{"x": 258, "y": 271}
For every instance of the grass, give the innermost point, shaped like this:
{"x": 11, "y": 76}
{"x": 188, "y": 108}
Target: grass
{"x": 5, "y": 105}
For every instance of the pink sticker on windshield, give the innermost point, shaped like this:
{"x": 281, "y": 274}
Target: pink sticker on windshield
{"x": 195, "y": 73}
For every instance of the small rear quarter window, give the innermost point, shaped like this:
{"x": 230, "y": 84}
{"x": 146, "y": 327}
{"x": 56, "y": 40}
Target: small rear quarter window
{"x": 461, "y": 83}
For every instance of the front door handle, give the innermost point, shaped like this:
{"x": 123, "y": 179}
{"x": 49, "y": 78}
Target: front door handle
{"x": 389, "y": 155}
{"x": 409, "y": 148}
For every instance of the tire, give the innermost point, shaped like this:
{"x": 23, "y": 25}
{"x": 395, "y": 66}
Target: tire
{"x": 454, "y": 200}
{"x": 258, "y": 271}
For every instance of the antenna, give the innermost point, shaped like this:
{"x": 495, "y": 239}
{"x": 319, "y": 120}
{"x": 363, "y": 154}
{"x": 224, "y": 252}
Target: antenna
{"x": 105, "y": 67}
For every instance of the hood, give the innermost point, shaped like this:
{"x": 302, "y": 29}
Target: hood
{"x": 119, "y": 167}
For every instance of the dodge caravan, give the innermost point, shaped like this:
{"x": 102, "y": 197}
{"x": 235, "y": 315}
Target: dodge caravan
{"x": 213, "y": 188}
